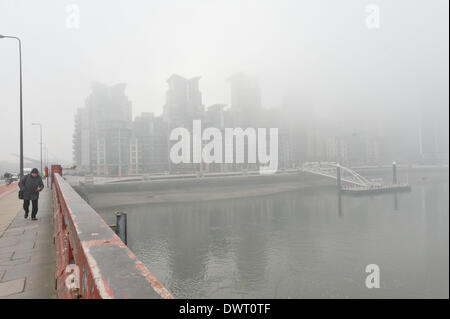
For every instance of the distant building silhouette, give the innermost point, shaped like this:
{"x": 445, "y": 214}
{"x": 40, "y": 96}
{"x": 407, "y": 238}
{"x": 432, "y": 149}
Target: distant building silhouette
{"x": 183, "y": 102}
{"x": 106, "y": 141}
{"x": 151, "y": 140}
{"x": 245, "y": 96}
{"x": 103, "y": 131}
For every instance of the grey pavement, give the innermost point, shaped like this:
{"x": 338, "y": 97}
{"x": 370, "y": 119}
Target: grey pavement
{"x": 27, "y": 252}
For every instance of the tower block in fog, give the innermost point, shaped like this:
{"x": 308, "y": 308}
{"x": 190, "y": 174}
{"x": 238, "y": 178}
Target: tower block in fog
{"x": 245, "y": 100}
{"x": 183, "y": 102}
{"x": 103, "y": 131}
{"x": 245, "y": 109}
{"x": 183, "y": 106}
{"x": 106, "y": 142}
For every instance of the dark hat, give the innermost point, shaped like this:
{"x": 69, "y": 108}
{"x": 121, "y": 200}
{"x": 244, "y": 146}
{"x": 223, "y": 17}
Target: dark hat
{"x": 34, "y": 171}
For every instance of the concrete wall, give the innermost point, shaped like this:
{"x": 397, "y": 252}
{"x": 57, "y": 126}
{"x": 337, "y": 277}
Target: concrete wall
{"x": 206, "y": 182}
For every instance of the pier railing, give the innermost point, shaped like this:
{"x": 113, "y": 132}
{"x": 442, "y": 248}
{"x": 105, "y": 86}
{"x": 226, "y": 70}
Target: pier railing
{"x": 91, "y": 260}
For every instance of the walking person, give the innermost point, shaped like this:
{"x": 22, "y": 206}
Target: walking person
{"x": 30, "y": 185}
{"x": 7, "y": 177}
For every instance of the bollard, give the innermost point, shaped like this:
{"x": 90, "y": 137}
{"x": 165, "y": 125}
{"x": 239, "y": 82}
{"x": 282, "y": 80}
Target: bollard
{"x": 55, "y": 169}
{"x": 121, "y": 226}
{"x": 338, "y": 177}
{"x": 394, "y": 173}
{"x": 46, "y": 175}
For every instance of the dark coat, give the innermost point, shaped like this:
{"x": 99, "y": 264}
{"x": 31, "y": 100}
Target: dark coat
{"x": 29, "y": 184}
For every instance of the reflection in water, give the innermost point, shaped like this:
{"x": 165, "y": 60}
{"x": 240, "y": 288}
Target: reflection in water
{"x": 294, "y": 245}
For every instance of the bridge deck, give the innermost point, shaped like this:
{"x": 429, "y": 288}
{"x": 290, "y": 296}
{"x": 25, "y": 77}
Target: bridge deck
{"x": 27, "y": 261}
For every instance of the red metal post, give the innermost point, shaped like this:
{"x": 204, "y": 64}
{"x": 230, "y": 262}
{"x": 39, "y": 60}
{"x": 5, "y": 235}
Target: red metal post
{"x": 55, "y": 169}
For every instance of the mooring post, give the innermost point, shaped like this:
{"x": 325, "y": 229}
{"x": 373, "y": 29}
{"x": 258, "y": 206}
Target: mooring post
{"x": 394, "y": 173}
{"x": 338, "y": 177}
{"x": 121, "y": 226}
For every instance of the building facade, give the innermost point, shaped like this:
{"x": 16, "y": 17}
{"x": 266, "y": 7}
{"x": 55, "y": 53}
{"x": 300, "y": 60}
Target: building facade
{"x": 108, "y": 142}
{"x": 102, "y": 131}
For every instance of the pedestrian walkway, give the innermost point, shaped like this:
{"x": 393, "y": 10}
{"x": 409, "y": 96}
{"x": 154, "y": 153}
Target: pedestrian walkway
{"x": 27, "y": 260}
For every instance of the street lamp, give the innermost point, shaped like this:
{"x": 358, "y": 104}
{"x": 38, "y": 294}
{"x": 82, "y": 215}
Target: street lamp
{"x": 40, "y": 129}
{"x": 21, "y": 115}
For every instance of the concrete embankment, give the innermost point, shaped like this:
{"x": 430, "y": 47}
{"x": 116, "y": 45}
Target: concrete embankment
{"x": 215, "y": 188}
{"x": 198, "y": 189}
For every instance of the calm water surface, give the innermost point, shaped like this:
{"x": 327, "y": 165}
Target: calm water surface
{"x": 298, "y": 245}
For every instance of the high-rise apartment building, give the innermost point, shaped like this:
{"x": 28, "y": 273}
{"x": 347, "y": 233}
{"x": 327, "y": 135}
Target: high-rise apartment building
{"x": 103, "y": 131}
{"x": 183, "y": 102}
{"x": 245, "y": 96}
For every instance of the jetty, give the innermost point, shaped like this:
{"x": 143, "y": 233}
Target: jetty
{"x": 352, "y": 183}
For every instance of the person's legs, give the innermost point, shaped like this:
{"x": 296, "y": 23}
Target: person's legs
{"x": 26, "y": 207}
{"x": 34, "y": 209}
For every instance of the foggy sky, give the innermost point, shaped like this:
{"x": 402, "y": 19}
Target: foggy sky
{"x": 322, "y": 50}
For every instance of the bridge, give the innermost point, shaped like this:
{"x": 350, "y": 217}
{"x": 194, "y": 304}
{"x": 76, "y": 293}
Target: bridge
{"x": 70, "y": 252}
{"x": 330, "y": 170}
{"x": 351, "y": 182}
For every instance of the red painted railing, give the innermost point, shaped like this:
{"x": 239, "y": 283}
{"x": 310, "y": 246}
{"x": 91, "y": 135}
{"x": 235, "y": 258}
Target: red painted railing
{"x": 91, "y": 260}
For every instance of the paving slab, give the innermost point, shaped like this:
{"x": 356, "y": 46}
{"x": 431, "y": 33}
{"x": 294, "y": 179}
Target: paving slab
{"x": 12, "y": 287}
{"x": 27, "y": 251}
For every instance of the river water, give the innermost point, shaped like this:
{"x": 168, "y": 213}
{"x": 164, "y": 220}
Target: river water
{"x": 299, "y": 244}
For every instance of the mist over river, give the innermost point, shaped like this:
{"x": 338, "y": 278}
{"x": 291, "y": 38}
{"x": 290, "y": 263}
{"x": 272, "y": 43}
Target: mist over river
{"x": 298, "y": 244}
